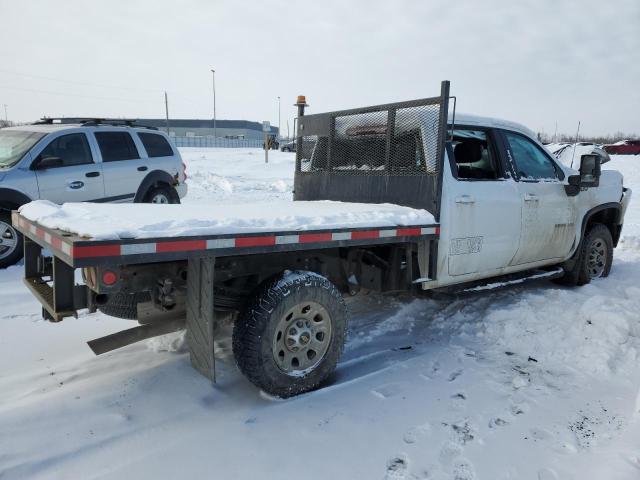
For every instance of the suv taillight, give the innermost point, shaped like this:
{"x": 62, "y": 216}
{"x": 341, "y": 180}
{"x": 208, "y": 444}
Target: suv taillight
{"x": 184, "y": 171}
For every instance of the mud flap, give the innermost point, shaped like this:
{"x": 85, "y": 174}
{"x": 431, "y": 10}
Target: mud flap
{"x": 201, "y": 315}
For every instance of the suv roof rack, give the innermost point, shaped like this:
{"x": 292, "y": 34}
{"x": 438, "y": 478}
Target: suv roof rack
{"x": 93, "y": 122}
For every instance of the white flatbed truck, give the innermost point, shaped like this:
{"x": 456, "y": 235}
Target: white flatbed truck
{"x": 489, "y": 202}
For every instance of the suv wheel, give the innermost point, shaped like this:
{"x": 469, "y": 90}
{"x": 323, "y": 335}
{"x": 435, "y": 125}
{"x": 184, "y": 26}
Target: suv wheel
{"x": 162, "y": 195}
{"x": 10, "y": 242}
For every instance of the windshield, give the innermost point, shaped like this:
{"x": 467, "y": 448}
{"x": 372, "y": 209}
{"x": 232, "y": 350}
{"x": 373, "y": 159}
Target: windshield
{"x": 14, "y": 144}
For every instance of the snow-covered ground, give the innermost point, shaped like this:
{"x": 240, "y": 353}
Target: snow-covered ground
{"x": 538, "y": 382}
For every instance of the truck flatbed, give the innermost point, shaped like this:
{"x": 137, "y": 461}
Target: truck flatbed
{"x": 347, "y": 226}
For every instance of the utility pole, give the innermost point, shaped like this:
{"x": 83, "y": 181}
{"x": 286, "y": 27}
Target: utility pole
{"x": 279, "y": 136}
{"x": 6, "y": 118}
{"x": 215, "y": 133}
{"x": 288, "y": 136}
{"x": 166, "y": 110}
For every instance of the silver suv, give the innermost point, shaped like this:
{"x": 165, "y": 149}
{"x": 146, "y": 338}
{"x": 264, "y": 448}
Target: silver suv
{"x": 89, "y": 160}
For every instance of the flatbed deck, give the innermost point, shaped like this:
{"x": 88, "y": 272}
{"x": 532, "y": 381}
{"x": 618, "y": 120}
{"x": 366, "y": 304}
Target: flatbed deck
{"x": 78, "y": 252}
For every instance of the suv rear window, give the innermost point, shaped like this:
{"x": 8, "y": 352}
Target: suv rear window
{"x": 155, "y": 145}
{"x": 116, "y": 146}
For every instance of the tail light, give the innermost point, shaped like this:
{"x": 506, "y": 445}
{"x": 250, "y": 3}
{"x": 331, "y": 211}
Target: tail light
{"x": 109, "y": 277}
{"x": 184, "y": 171}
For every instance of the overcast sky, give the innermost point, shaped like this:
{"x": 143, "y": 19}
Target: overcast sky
{"x": 535, "y": 62}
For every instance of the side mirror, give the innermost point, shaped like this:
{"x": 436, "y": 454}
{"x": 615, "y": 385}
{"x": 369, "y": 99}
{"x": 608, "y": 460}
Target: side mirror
{"x": 590, "y": 170}
{"x": 43, "y": 163}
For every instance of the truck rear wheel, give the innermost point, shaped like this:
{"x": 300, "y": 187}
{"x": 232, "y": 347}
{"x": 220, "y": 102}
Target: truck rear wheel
{"x": 291, "y": 334}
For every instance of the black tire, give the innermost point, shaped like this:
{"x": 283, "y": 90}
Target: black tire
{"x": 9, "y": 255}
{"x": 164, "y": 192}
{"x": 601, "y": 233}
{"x": 124, "y": 305}
{"x": 259, "y": 327}
{"x": 581, "y": 273}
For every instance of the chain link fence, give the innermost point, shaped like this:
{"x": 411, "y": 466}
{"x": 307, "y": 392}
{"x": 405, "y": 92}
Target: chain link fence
{"x": 216, "y": 142}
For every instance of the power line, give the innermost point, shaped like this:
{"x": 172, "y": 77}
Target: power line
{"x": 75, "y": 82}
{"x": 77, "y": 95}
{"x": 183, "y": 97}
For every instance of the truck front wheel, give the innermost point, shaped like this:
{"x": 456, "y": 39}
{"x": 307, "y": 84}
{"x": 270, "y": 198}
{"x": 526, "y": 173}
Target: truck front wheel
{"x": 291, "y": 334}
{"x": 597, "y": 254}
{"x": 594, "y": 257}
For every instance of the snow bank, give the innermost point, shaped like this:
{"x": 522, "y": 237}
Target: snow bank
{"x": 110, "y": 222}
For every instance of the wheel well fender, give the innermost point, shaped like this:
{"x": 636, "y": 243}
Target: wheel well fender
{"x": 152, "y": 180}
{"x": 608, "y": 214}
{"x": 12, "y": 199}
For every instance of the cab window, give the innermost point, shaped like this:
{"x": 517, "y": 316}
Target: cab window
{"x": 529, "y": 160}
{"x": 72, "y": 149}
{"x": 474, "y": 155}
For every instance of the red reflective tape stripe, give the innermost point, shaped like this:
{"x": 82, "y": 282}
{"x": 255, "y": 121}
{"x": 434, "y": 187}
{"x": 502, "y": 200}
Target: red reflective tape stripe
{"x": 365, "y": 234}
{"x": 437, "y": 230}
{"x": 95, "y": 251}
{"x": 408, "y": 232}
{"x": 56, "y": 243}
{"x": 255, "y": 241}
{"x": 181, "y": 246}
{"x": 315, "y": 237}
{"x": 39, "y": 232}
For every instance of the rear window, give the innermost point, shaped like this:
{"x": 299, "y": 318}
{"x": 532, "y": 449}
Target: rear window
{"x": 155, "y": 145}
{"x": 116, "y": 146}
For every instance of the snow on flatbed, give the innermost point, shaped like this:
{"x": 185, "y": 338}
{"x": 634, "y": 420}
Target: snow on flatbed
{"x": 126, "y": 221}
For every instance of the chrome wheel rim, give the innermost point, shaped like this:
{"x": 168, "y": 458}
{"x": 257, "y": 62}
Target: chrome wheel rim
{"x": 8, "y": 240}
{"x": 302, "y": 338}
{"x": 597, "y": 258}
{"x": 160, "y": 198}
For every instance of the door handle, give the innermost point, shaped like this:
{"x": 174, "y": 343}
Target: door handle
{"x": 92, "y": 174}
{"x": 142, "y": 169}
{"x": 465, "y": 199}
{"x": 530, "y": 197}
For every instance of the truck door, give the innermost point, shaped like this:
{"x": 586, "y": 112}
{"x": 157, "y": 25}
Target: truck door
{"x": 66, "y": 170}
{"x": 483, "y": 205}
{"x": 548, "y": 214}
{"x": 123, "y": 166}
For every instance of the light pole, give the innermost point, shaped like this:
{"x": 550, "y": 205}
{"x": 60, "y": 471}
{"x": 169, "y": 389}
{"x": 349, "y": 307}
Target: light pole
{"x": 6, "y": 118}
{"x": 215, "y": 133}
{"x": 279, "y": 136}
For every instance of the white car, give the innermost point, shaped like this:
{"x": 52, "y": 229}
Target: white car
{"x": 83, "y": 160}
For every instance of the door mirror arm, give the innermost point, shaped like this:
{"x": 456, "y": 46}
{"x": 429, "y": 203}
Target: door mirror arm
{"x": 573, "y": 187}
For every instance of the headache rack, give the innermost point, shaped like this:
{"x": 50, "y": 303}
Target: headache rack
{"x": 93, "y": 122}
{"x": 391, "y": 153}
